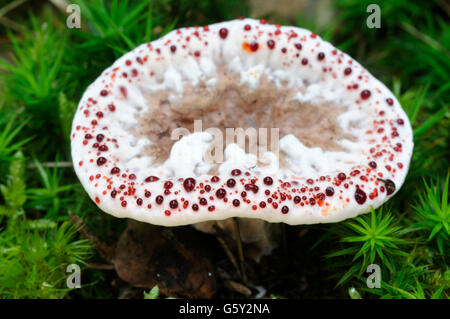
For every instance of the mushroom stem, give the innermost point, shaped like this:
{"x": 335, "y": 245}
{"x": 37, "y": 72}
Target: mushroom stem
{"x": 237, "y": 236}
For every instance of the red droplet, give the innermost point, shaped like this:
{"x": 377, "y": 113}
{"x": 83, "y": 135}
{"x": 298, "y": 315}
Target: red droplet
{"x": 159, "y": 199}
{"x": 360, "y": 196}
{"x": 101, "y": 161}
{"x": 298, "y": 46}
{"x": 236, "y": 172}
{"x": 268, "y": 180}
{"x": 220, "y": 193}
{"x": 151, "y": 179}
{"x": 189, "y": 184}
{"x": 215, "y": 179}
{"x": 321, "y": 56}
{"x": 365, "y": 94}
{"x": 329, "y": 191}
{"x": 223, "y": 33}
{"x": 231, "y": 182}
{"x": 168, "y": 185}
{"x": 115, "y": 170}
{"x": 347, "y": 71}
{"x": 173, "y": 204}
{"x": 285, "y": 209}
{"x": 254, "y": 46}
{"x": 390, "y": 186}
{"x": 271, "y": 44}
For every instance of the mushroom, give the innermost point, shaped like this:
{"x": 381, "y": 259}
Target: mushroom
{"x": 344, "y": 141}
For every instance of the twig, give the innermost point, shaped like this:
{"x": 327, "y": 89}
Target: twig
{"x": 100, "y": 266}
{"x": 237, "y": 236}
{"x": 105, "y": 251}
{"x": 52, "y": 164}
{"x": 11, "y": 24}
{"x": 10, "y": 6}
{"x": 240, "y": 288}
{"x": 423, "y": 37}
{"x": 229, "y": 254}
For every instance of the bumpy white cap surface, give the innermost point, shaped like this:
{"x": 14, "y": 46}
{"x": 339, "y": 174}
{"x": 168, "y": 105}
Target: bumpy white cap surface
{"x": 317, "y": 186}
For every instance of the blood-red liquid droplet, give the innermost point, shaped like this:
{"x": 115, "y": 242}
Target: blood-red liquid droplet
{"x": 159, "y": 199}
{"x": 321, "y": 56}
{"x": 223, "y": 33}
{"x": 329, "y": 191}
{"x": 101, "y": 161}
{"x": 173, "y": 204}
{"x": 254, "y": 46}
{"x": 220, "y": 193}
{"x": 285, "y": 209}
{"x": 347, "y": 71}
{"x": 231, "y": 182}
{"x": 151, "y": 179}
{"x": 168, "y": 185}
{"x": 360, "y": 196}
{"x": 268, "y": 180}
{"x": 215, "y": 179}
{"x": 271, "y": 44}
{"x": 189, "y": 184}
{"x": 390, "y": 186}
{"x": 365, "y": 94}
{"x": 236, "y": 172}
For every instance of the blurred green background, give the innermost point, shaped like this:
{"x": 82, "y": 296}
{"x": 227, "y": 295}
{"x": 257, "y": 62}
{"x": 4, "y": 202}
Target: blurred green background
{"x": 45, "y": 68}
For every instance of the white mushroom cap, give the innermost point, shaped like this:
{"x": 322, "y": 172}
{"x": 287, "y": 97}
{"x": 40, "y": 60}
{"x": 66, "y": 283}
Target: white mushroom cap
{"x": 315, "y": 186}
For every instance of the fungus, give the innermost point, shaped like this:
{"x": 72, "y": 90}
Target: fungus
{"x": 344, "y": 141}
